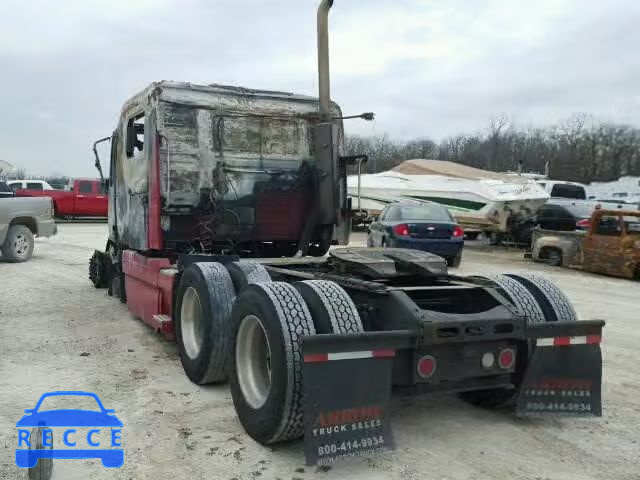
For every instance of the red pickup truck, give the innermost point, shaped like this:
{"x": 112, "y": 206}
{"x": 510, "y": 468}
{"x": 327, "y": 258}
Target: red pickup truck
{"x": 88, "y": 198}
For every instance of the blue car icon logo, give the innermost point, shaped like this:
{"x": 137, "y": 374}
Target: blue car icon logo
{"x": 27, "y": 453}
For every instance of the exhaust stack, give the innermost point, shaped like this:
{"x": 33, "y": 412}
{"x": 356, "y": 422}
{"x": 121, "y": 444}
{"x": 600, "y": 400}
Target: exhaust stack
{"x": 323, "y": 58}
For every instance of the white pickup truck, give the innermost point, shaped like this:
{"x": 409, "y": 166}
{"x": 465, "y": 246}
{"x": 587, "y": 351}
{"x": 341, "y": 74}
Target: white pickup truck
{"x": 22, "y": 218}
{"x": 573, "y": 197}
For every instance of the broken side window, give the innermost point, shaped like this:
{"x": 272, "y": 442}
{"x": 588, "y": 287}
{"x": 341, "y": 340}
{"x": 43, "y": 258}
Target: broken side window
{"x": 609, "y": 226}
{"x": 135, "y": 135}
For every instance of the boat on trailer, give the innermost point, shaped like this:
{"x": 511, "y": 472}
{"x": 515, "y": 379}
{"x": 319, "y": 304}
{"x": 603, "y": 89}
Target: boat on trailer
{"x": 480, "y": 200}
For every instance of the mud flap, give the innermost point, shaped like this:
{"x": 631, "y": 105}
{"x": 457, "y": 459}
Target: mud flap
{"x": 564, "y": 374}
{"x": 347, "y": 387}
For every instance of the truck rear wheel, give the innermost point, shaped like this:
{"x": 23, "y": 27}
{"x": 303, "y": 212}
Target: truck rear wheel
{"x": 268, "y": 322}
{"x": 204, "y": 300}
{"x": 541, "y": 301}
{"x": 554, "y": 303}
{"x": 331, "y": 308}
{"x": 18, "y": 244}
{"x": 245, "y": 272}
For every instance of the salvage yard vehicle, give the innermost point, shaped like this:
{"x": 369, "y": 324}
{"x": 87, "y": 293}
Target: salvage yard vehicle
{"x": 428, "y": 227}
{"x": 87, "y": 198}
{"x": 611, "y": 245}
{"x": 20, "y": 220}
{"x": 207, "y": 182}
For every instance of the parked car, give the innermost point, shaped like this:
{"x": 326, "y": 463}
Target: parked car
{"x": 610, "y": 246}
{"x": 87, "y": 198}
{"x": 428, "y": 227}
{"x": 20, "y": 220}
{"x": 29, "y": 185}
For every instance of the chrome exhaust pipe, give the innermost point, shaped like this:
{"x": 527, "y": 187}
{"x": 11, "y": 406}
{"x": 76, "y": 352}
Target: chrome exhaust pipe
{"x": 323, "y": 59}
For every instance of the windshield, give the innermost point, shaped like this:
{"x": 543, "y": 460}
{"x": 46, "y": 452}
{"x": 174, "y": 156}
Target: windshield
{"x": 427, "y": 213}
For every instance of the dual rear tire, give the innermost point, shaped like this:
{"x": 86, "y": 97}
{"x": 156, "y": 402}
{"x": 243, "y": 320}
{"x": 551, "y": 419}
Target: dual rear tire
{"x": 268, "y": 323}
{"x": 539, "y": 301}
{"x": 233, "y": 323}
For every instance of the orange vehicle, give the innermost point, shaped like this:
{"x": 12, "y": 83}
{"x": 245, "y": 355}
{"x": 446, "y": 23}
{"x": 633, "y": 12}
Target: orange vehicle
{"x": 610, "y": 246}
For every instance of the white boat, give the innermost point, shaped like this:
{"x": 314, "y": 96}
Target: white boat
{"x": 478, "y": 199}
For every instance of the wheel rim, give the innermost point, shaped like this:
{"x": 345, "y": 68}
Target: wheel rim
{"x": 21, "y": 245}
{"x": 192, "y": 323}
{"x": 253, "y": 361}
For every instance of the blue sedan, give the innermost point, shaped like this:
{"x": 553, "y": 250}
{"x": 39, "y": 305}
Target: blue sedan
{"x": 427, "y": 226}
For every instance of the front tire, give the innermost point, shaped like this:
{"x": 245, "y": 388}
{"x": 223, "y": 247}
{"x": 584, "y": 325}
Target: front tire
{"x": 98, "y": 270}
{"x": 268, "y": 322}
{"x": 204, "y": 300}
{"x": 552, "y": 257}
{"x": 18, "y": 244}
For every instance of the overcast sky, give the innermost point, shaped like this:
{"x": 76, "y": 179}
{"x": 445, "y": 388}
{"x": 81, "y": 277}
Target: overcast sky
{"x": 427, "y": 68}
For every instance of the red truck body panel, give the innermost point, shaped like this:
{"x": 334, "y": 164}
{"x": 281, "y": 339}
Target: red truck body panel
{"x": 86, "y": 199}
{"x": 149, "y": 290}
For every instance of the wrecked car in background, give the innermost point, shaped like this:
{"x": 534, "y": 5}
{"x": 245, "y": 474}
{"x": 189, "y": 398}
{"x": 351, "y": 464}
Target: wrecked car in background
{"x": 611, "y": 245}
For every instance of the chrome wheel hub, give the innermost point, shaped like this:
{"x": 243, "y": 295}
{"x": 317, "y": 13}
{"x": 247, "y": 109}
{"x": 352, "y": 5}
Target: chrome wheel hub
{"x": 253, "y": 361}
{"x": 192, "y": 323}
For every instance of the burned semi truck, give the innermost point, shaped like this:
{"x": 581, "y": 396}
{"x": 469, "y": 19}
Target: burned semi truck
{"x": 223, "y": 203}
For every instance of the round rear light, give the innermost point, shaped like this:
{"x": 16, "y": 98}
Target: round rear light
{"x": 488, "y": 360}
{"x": 426, "y": 366}
{"x": 506, "y": 358}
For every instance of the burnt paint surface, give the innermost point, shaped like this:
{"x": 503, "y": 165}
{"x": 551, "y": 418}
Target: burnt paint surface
{"x": 612, "y": 245}
{"x": 224, "y": 152}
{"x": 603, "y": 249}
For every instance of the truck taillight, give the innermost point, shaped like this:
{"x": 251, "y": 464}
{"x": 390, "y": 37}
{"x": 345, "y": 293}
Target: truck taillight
{"x": 401, "y": 229}
{"x": 506, "y": 358}
{"x": 458, "y": 232}
{"x": 426, "y": 366}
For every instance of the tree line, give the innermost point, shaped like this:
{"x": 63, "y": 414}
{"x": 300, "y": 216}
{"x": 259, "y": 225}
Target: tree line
{"x": 578, "y": 149}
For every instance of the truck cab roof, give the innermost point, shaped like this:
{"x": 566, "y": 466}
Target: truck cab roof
{"x": 186, "y": 93}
